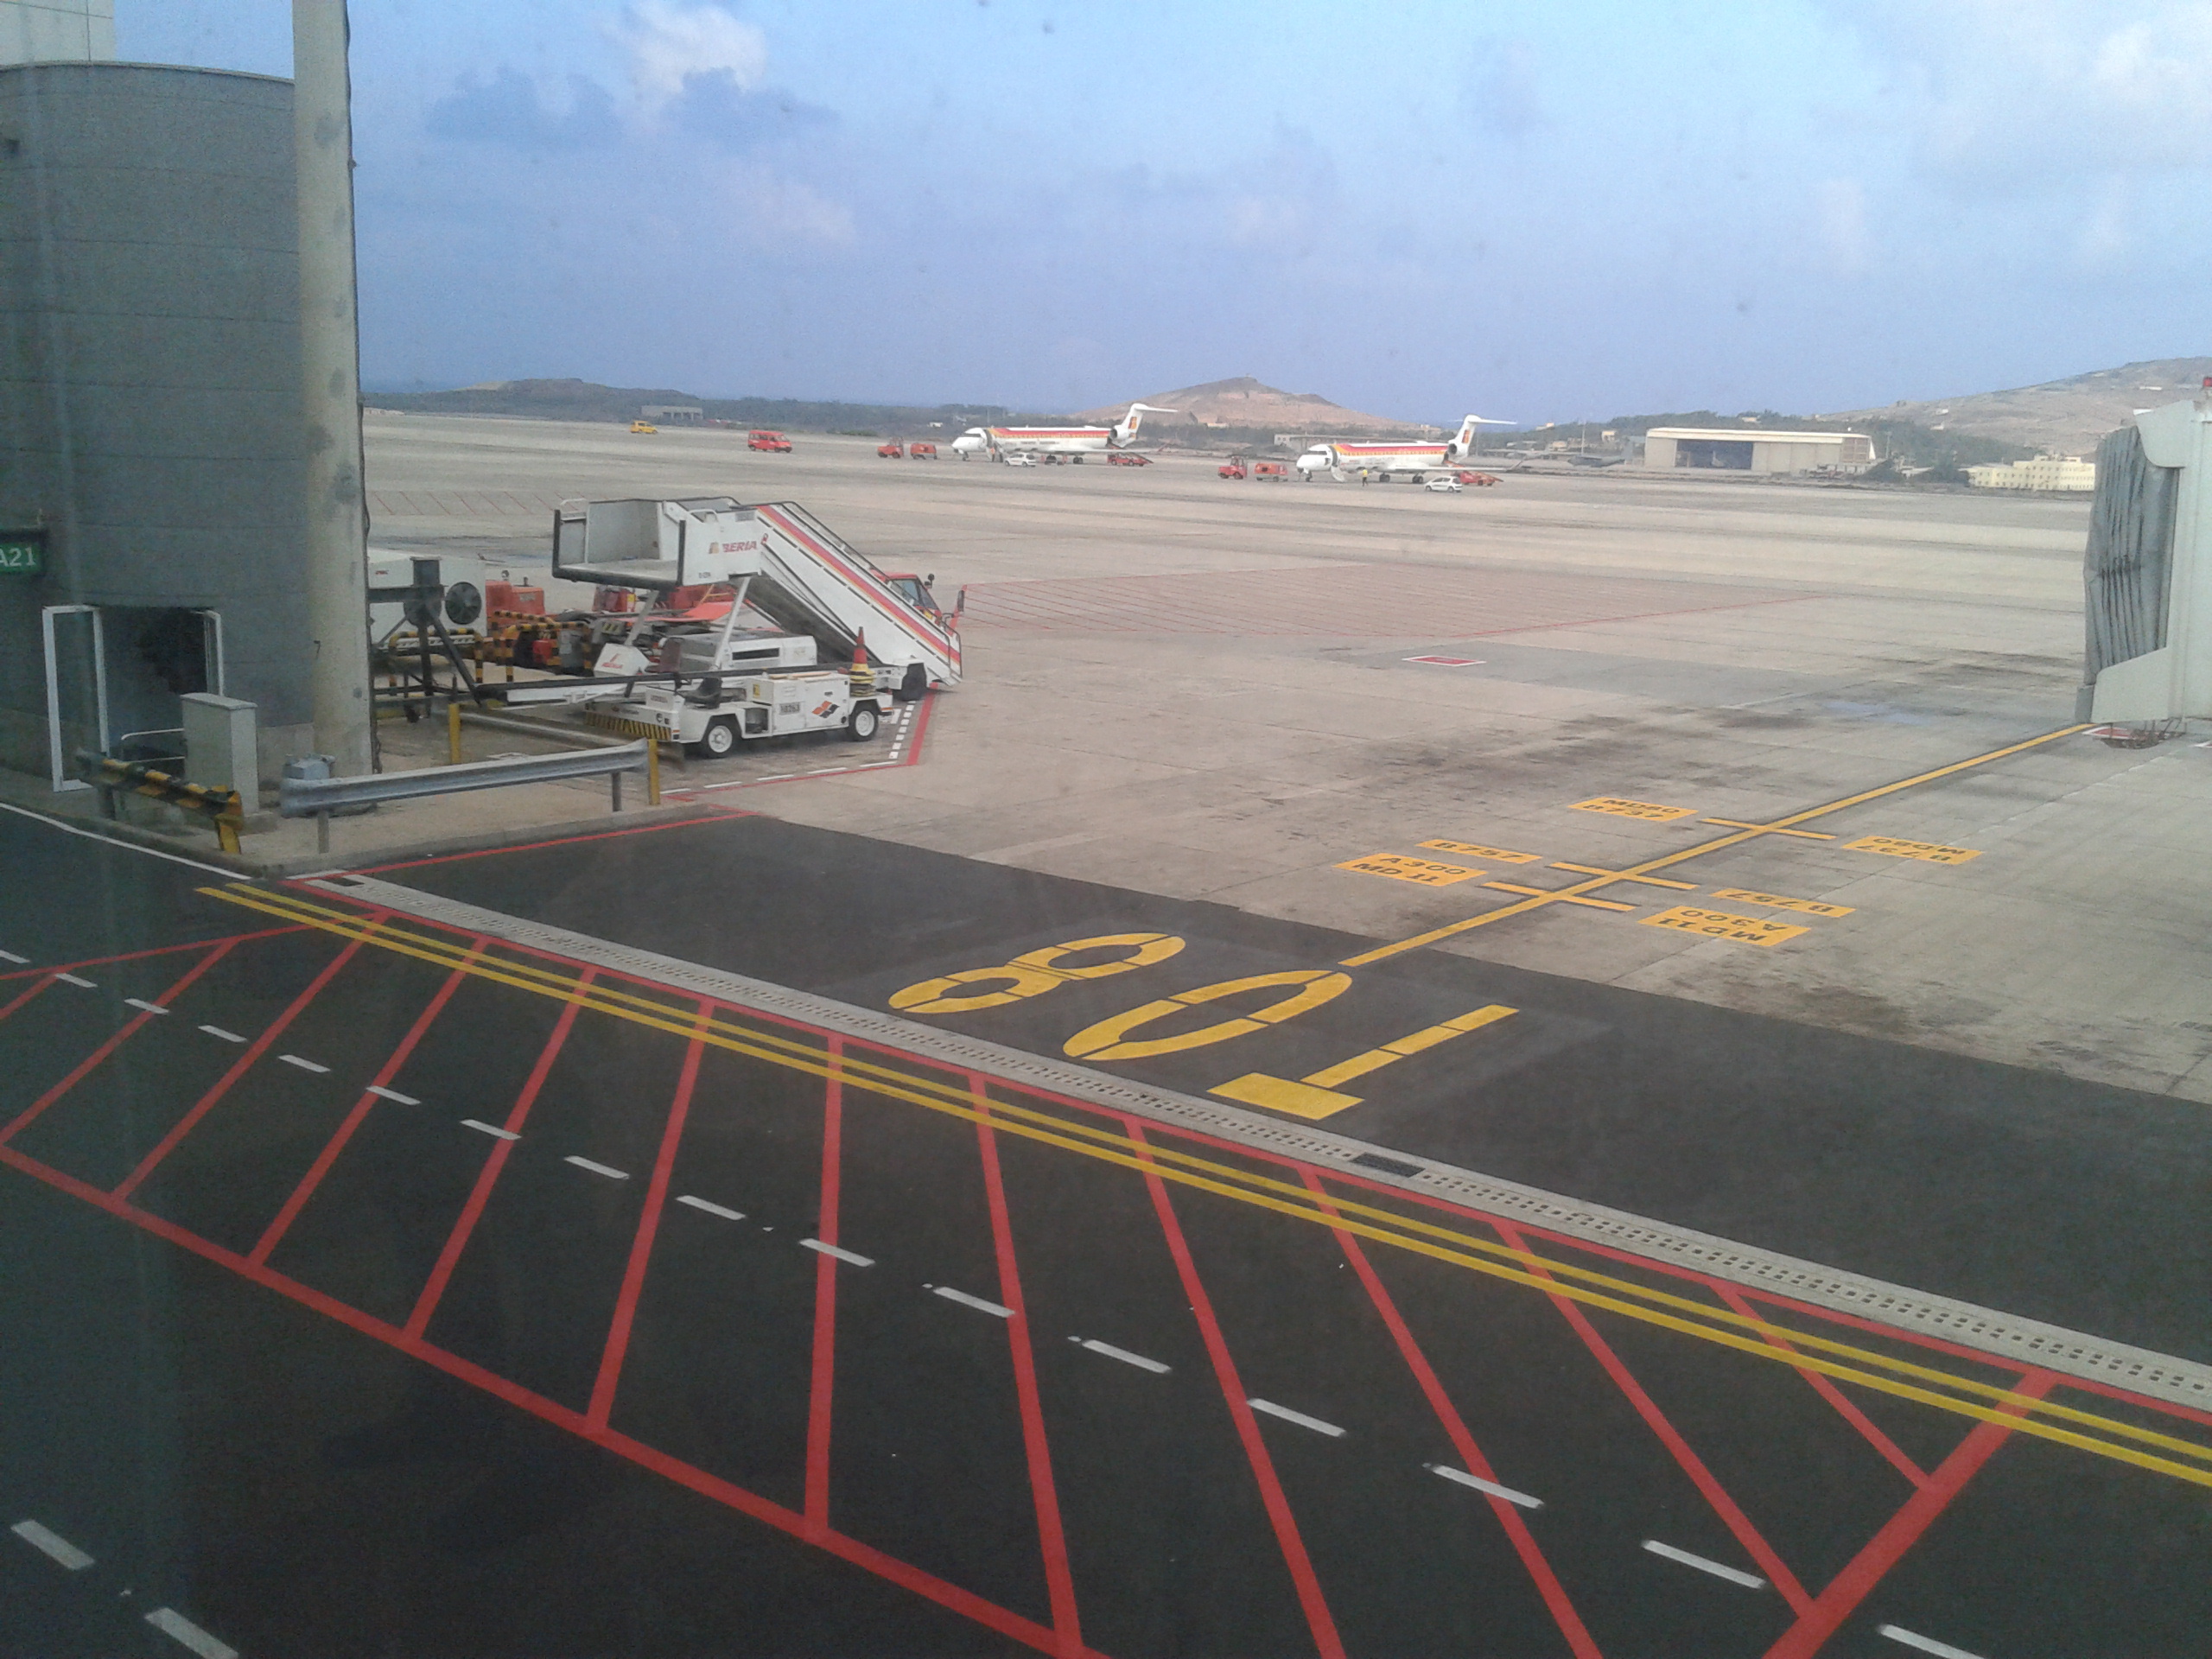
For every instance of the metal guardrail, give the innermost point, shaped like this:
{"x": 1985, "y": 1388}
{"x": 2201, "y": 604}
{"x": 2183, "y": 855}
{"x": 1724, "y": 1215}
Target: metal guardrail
{"x": 112, "y": 778}
{"x": 318, "y": 797}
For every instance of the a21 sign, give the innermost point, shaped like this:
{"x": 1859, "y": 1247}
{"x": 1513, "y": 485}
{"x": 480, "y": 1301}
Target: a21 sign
{"x": 22, "y": 552}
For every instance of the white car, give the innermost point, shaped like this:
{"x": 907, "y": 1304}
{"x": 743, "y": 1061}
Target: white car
{"x": 1021, "y": 458}
{"x": 1446, "y": 482}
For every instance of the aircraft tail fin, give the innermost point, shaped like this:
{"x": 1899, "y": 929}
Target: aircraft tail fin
{"x": 1125, "y": 429}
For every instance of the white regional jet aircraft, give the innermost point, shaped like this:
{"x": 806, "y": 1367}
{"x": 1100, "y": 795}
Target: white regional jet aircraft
{"x": 1073, "y": 441}
{"x": 1413, "y": 460}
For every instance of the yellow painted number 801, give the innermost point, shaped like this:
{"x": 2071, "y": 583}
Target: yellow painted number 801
{"x": 1033, "y": 974}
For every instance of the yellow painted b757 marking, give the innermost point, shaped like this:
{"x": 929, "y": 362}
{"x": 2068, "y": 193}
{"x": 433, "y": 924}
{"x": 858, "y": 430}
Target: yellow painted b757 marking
{"x": 1931, "y": 852}
{"x": 1476, "y": 849}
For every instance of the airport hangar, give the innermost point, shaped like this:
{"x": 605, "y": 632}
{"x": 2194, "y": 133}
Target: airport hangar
{"x": 1736, "y": 450}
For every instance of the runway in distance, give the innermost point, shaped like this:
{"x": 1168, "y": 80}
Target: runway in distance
{"x": 1075, "y": 442}
{"x": 1412, "y": 461}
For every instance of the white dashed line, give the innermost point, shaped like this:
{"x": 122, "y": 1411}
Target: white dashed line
{"x": 10, "y": 955}
{"x": 831, "y": 1249}
{"x": 176, "y": 1626}
{"x": 1298, "y": 1417}
{"x": 228, "y": 1036}
{"x": 489, "y": 1128}
{"x": 976, "y": 1302}
{"x": 304, "y": 1066}
{"x": 711, "y": 1209}
{"x": 141, "y": 1003}
{"x": 1925, "y": 1644}
{"x": 53, "y": 1543}
{"x": 1482, "y": 1485}
{"x": 393, "y": 1095}
{"x": 1125, "y": 1357}
{"x": 597, "y": 1169}
{"x": 1750, "y": 1581}
{"x": 72, "y": 979}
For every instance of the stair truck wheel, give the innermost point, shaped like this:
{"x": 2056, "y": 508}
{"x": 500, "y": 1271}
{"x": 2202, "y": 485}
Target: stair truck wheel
{"x": 862, "y": 725}
{"x": 719, "y": 740}
{"x": 913, "y": 684}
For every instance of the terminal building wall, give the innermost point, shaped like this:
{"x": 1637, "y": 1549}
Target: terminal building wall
{"x": 149, "y": 396}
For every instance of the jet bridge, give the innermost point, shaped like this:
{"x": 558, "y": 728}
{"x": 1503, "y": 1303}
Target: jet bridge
{"x": 805, "y": 577}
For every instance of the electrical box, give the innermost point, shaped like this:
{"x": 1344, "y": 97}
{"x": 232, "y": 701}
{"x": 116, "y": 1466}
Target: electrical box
{"x": 222, "y": 745}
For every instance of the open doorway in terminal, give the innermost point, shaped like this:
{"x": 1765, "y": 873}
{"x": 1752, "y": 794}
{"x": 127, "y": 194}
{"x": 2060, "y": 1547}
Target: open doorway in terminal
{"x": 1731, "y": 454}
{"x": 114, "y": 674}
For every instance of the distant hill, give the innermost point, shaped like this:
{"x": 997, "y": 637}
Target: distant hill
{"x": 2068, "y": 416}
{"x": 586, "y": 400}
{"x": 1246, "y": 405}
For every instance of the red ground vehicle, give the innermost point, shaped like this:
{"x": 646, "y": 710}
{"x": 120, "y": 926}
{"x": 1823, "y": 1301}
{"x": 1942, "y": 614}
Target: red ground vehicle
{"x": 1474, "y": 478}
{"x": 775, "y": 442}
{"x": 922, "y": 451}
{"x": 1274, "y": 469}
{"x": 1117, "y": 459}
{"x": 1233, "y": 469}
{"x": 888, "y": 451}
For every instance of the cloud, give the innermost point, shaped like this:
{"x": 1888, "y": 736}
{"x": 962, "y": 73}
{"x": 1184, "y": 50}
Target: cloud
{"x": 670, "y": 45}
{"x": 713, "y": 107}
{"x": 1840, "y": 221}
{"x": 783, "y": 209}
{"x": 1498, "y": 90}
{"x": 512, "y": 109}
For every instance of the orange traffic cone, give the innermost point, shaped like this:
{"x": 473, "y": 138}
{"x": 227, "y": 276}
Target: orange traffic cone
{"x": 862, "y": 680}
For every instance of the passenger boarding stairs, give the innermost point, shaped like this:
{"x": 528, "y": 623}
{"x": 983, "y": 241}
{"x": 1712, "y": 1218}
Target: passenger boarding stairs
{"x": 804, "y": 577}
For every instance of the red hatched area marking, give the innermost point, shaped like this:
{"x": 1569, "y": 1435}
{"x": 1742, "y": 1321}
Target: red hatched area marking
{"x": 1347, "y": 601}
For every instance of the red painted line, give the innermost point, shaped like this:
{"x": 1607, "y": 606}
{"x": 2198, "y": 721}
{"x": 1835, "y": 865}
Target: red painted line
{"x": 1849, "y": 1587}
{"x": 951, "y": 1596}
{"x": 276, "y": 1228}
{"x": 531, "y": 845}
{"x": 1318, "y": 1618}
{"x": 158, "y": 951}
{"x": 131, "y": 1027}
{"x": 244, "y": 1064}
{"x": 1060, "y": 1576}
{"x": 457, "y": 1240}
{"x": 820, "y": 1385}
{"x": 24, "y": 996}
{"x": 641, "y": 1246}
{"x": 1570, "y": 1622}
{"x": 1845, "y": 1406}
{"x": 1733, "y": 1518}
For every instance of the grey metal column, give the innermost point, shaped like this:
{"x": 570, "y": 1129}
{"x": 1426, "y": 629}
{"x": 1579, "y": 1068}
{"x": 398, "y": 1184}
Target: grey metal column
{"x": 330, "y": 352}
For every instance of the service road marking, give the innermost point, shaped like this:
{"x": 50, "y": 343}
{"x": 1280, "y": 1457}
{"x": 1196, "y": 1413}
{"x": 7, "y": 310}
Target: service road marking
{"x": 1925, "y": 1644}
{"x": 597, "y": 1169}
{"x": 141, "y": 1003}
{"x": 176, "y": 1626}
{"x": 304, "y": 1066}
{"x": 976, "y": 1302}
{"x": 52, "y": 1543}
{"x": 393, "y": 1095}
{"x": 858, "y": 1260}
{"x": 711, "y": 1209}
{"x": 10, "y": 955}
{"x": 1932, "y": 851}
{"x": 489, "y": 1128}
{"x": 1474, "y": 849}
{"x": 1298, "y": 1417}
{"x": 1651, "y": 811}
{"x": 72, "y": 979}
{"x": 1809, "y": 906}
{"x": 1724, "y": 924}
{"x": 1482, "y": 1485}
{"x": 228, "y": 1036}
{"x": 1400, "y": 868}
{"x": 1122, "y": 1354}
{"x": 1749, "y": 1580}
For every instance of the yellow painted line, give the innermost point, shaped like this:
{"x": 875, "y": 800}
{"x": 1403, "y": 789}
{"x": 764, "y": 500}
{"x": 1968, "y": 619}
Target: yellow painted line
{"x": 1666, "y": 861}
{"x": 1647, "y": 881}
{"x": 1568, "y": 895}
{"x": 1472, "y": 850}
{"x": 1737, "y": 823}
{"x": 1315, "y": 1096}
{"x": 1724, "y": 924}
{"x": 1932, "y": 851}
{"x": 1496, "y": 1260}
{"x": 1776, "y": 901}
{"x": 1621, "y": 807}
{"x": 1400, "y": 868}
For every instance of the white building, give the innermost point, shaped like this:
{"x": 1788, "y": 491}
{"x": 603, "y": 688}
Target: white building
{"x": 2043, "y": 473}
{"x": 57, "y": 31}
{"x": 1750, "y": 450}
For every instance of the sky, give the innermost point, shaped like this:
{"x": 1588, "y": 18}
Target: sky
{"x": 1420, "y": 211}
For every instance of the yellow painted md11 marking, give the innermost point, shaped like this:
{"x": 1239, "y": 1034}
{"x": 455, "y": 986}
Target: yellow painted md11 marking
{"x": 1649, "y": 810}
{"x": 1724, "y": 924}
{"x": 1475, "y": 849}
{"x": 1930, "y": 851}
{"x": 1807, "y": 907}
{"x": 1315, "y": 1096}
{"x": 1399, "y": 867}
